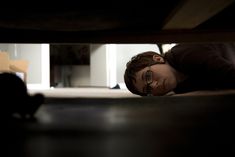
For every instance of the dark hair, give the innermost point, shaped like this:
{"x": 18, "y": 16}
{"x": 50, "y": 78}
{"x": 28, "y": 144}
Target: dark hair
{"x": 137, "y": 63}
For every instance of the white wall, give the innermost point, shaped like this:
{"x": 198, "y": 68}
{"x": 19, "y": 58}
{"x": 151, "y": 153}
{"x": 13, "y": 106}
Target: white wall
{"x": 31, "y": 53}
{"x": 38, "y": 57}
{"x": 98, "y": 64}
{"x": 4, "y": 47}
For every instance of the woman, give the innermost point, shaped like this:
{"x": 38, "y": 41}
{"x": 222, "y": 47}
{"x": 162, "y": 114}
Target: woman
{"x": 184, "y": 68}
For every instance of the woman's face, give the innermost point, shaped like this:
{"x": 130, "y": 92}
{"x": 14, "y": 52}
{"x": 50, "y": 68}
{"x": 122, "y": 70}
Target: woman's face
{"x": 158, "y": 79}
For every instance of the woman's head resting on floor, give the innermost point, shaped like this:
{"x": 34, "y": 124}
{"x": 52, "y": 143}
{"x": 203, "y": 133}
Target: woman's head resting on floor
{"x": 148, "y": 73}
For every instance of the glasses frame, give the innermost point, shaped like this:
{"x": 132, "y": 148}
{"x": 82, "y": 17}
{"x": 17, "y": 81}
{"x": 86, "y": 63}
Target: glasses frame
{"x": 149, "y": 79}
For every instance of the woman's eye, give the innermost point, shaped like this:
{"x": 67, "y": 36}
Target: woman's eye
{"x": 148, "y": 76}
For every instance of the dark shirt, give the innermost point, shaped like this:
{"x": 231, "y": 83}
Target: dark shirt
{"x": 208, "y": 66}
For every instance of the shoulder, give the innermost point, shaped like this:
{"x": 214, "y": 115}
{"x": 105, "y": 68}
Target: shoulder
{"x": 196, "y": 51}
{"x": 187, "y": 52}
{"x": 202, "y": 47}
{"x": 192, "y": 47}
{"x": 185, "y": 57}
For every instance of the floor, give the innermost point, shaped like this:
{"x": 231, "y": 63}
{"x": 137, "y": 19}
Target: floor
{"x": 84, "y": 93}
{"x": 118, "y": 124}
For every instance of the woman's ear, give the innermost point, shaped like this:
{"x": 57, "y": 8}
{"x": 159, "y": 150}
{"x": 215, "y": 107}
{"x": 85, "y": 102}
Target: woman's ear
{"x": 158, "y": 59}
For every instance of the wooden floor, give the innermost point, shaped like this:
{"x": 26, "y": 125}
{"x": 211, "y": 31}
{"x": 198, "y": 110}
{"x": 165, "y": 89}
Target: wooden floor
{"x": 89, "y": 123}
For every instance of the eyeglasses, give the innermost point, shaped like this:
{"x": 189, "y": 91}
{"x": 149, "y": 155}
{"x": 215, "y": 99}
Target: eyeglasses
{"x": 149, "y": 79}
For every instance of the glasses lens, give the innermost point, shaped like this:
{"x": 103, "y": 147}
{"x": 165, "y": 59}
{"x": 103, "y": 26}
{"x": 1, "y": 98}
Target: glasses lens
{"x": 149, "y": 80}
{"x": 148, "y": 76}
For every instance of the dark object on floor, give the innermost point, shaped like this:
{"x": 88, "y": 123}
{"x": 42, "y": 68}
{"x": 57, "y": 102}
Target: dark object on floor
{"x": 116, "y": 87}
{"x": 15, "y": 99}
